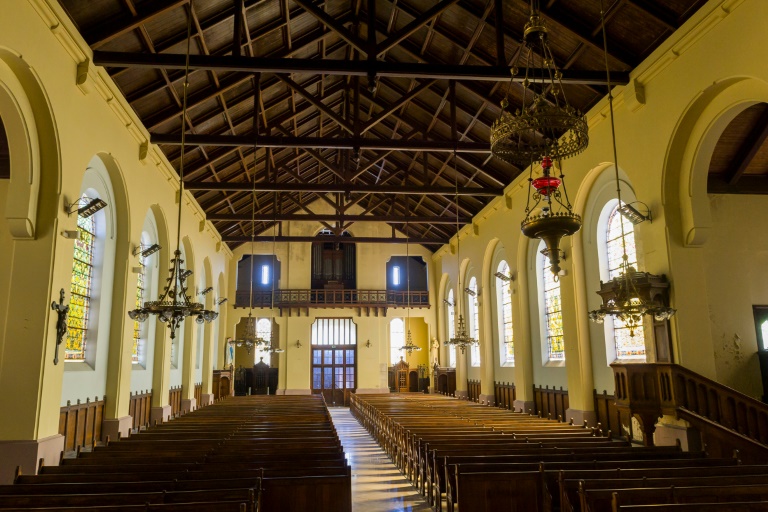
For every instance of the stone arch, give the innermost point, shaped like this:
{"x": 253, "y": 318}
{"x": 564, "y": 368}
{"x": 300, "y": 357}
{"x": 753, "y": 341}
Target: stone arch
{"x": 690, "y": 150}
{"x": 33, "y": 143}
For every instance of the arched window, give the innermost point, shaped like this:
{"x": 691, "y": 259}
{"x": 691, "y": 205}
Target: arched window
{"x": 474, "y": 322}
{"x": 396, "y": 340}
{"x": 451, "y": 319}
{"x": 264, "y": 331}
{"x": 552, "y": 310}
{"x": 80, "y": 289}
{"x": 627, "y": 347}
{"x": 504, "y": 313}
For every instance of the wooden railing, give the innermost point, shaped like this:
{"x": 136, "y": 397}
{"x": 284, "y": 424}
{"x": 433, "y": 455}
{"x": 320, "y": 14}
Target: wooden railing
{"x": 174, "y": 400}
{"x": 607, "y": 413}
{"x": 648, "y": 391}
{"x": 139, "y": 408}
{"x": 333, "y": 298}
{"x": 504, "y": 394}
{"x": 473, "y": 390}
{"x": 550, "y": 403}
{"x": 80, "y": 424}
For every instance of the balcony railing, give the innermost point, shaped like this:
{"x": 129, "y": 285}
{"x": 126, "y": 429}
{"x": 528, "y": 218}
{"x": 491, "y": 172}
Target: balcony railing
{"x": 334, "y": 299}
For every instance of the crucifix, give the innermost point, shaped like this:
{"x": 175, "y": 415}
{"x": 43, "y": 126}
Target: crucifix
{"x": 61, "y": 323}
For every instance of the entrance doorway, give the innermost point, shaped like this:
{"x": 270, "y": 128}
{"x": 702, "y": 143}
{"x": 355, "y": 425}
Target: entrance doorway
{"x": 334, "y": 359}
{"x": 761, "y": 324}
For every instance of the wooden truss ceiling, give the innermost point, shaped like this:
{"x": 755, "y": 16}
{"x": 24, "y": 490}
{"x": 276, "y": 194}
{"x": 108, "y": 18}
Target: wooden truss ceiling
{"x": 346, "y": 115}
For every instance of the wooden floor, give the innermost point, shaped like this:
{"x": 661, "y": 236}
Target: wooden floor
{"x": 377, "y": 485}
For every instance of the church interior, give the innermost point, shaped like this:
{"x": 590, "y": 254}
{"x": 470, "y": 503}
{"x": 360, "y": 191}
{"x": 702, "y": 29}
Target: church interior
{"x": 336, "y": 255}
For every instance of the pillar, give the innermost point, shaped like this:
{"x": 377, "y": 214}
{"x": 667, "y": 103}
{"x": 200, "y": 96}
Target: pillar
{"x": 487, "y": 363}
{"x": 188, "y": 402}
{"x": 117, "y": 421}
{"x": 161, "y": 374}
{"x": 521, "y": 319}
{"x": 207, "y": 362}
{"x": 578, "y": 348}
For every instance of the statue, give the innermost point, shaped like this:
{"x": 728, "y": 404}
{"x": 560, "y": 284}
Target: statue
{"x": 61, "y": 322}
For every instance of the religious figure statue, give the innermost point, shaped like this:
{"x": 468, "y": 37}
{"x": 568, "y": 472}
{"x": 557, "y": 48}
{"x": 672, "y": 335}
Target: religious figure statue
{"x": 61, "y": 322}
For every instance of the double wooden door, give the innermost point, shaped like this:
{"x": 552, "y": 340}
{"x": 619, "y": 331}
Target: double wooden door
{"x": 334, "y": 372}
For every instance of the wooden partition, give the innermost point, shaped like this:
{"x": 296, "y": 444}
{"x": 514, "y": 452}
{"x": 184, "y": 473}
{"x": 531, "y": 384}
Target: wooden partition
{"x": 174, "y": 400}
{"x": 80, "y": 424}
{"x": 139, "y": 407}
{"x": 473, "y": 390}
{"x": 445, "y": 380}
{"x": 607, "y": 413}
{"x": 505, "y": 395}
{"x": 550, "y": 403}
{"x": 198, "y": 394}
{"x": 726, "y": 419}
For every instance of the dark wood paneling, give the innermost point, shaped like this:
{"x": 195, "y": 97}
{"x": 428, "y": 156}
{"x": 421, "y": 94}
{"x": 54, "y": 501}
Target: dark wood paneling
{"x": 198, "y": 394}
{"x": 550, "y": 403}
{"x": 607, "y": 414}
{"x": 174, "y": 400}
{"x": 504, "y": 394}
{"x": 139, "y": 408}
{"x": 80, "y": 424}
{"x": 473, "y": 390}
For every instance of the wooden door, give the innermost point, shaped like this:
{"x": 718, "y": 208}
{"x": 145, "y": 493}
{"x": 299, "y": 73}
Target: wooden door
{"x": 334, "y": 372}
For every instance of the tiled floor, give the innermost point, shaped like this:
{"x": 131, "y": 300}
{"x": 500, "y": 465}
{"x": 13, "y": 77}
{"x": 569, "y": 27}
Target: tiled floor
{"x": 377, "y": 485}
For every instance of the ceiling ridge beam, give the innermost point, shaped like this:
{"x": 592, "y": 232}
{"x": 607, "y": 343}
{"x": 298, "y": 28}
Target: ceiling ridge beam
{"x": 358, "y": 188}
{"x": 339, "y": 67}
{"x": 341, "y": 239}
{"x": 315, "y": 217}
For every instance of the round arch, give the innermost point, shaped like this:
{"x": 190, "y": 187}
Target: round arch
{"x": 690, "y": 151}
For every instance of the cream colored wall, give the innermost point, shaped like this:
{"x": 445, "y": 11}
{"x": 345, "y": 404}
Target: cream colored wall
{"x": 371, "y": 274}
{"x": 91, "y": 119}
{"x": 736, "y": 279}
{"x": 664, "y": 153}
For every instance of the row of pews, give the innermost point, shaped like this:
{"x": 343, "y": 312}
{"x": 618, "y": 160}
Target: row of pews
{"x": 470, "y": 458}
{"x": 243, "y": 454}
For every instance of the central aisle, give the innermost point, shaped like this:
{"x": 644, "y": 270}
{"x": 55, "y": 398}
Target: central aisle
{"x": 377, "y": 485}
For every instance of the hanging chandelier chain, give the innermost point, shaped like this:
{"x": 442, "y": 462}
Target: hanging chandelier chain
{"x": 613, "y": 127}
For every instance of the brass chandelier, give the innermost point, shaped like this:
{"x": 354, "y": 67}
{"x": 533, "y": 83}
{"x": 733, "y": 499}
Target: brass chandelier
{"x": 461, "y": 338}
{"x": 545, "y": 129}
{"x": 174, "y": 304}
{"x": 632, "y": 294}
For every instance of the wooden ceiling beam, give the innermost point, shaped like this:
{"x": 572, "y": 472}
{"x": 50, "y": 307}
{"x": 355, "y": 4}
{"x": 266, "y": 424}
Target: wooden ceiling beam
{"x": 748, "y": 149}
{"x": 750, "y": 184}
{"x": 339, "y": 67}
{"x": 107, "y": 32}
{"x": 267, "y": 217}
{"x": 357, "y": 188}
{"x": 334, "y": 25}
{"x": 174, "y": 139}
{"x": 405, "y": 32}
{"x": 341, "y": 239}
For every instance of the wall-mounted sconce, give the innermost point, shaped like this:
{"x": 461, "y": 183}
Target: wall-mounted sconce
{"x": 471, "y": 292}
{"x": 146, "y": 250}
{"x": 85, "y": 206}
{"x": 631, "y": 213}
{"x": 448, "y": 303}
{"x": 207, "y": 291}
{"x": 298, "y": 344}
{"x": 368, "y": 344}
{"x": 185, "y": 274}
{"x": 504, "y": 277}
{"x": 71, "y": 234}
{"x": 220, "y": 301}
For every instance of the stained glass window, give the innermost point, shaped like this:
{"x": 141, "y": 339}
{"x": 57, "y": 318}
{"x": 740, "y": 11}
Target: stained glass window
{"x": 396, "y": 340}
{"x": 80, "y": 290}
{"x": 138, "y": 327}
{"x": 451, "y": 317}
{"x": 474, "y": 322}
{"x": 553, "y": 312}
{"x": 504, "y": 308}
{"x": 264, "y": 331}
{"x": 627, "y": 347}
{"x": 764, "y": 332}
